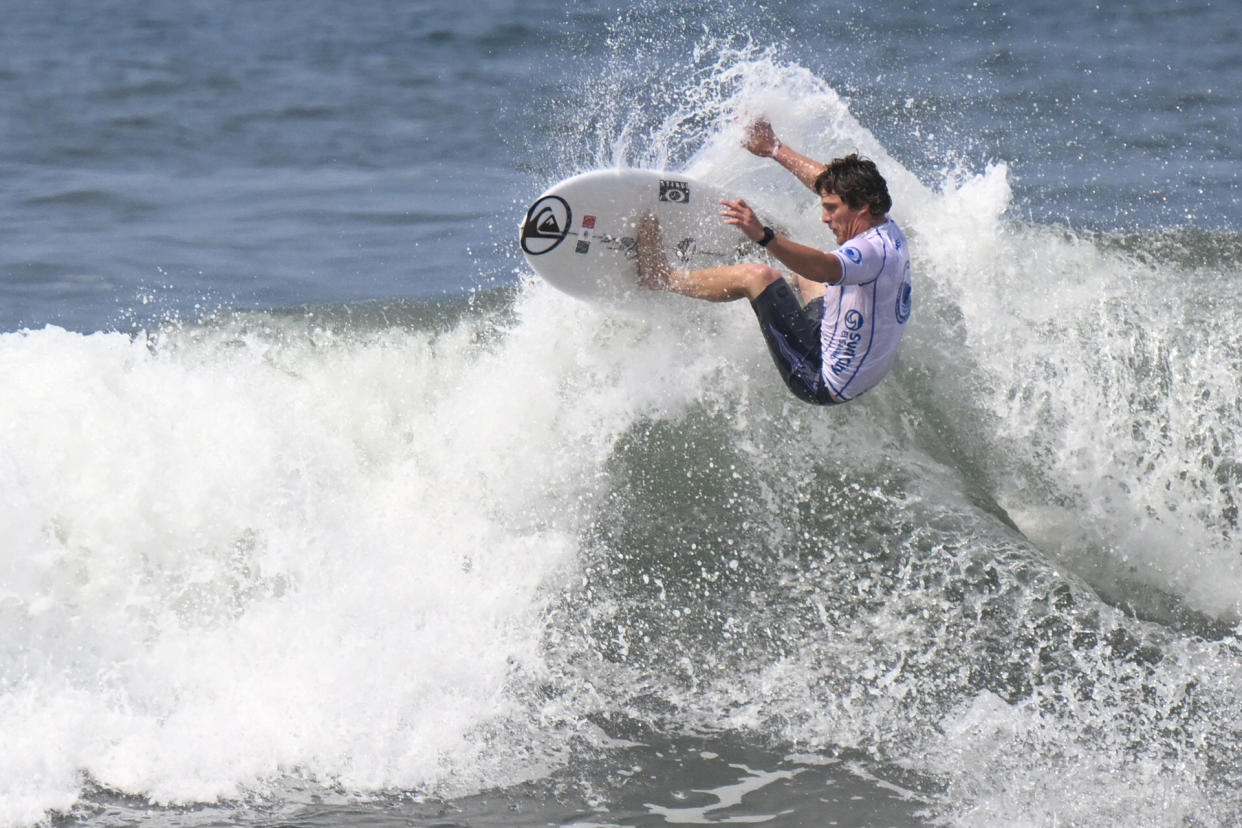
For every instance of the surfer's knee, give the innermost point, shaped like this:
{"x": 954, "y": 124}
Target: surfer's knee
{"x": 756, "y": 278}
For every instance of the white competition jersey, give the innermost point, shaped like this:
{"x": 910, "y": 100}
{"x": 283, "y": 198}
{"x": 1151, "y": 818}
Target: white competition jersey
{"x": 865, "y": 313}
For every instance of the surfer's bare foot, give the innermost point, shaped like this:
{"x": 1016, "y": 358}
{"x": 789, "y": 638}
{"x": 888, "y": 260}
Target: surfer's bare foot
{"x": 654, "y": 270}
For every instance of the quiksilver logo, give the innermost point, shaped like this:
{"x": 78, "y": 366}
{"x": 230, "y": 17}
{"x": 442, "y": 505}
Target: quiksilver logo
{"x": 546, "y": 226}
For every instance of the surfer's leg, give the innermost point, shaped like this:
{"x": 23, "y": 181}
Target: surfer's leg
{"x": 724, "y": 284}
{"x": 793, "y": 336}
{"x": 809, "y": 289}
{"x": 655, "y": 272}
{"x": 715, "y": 284}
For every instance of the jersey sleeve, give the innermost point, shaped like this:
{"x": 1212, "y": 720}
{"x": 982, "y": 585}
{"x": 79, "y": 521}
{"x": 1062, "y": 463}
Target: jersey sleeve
{"x": 861, "y": 261}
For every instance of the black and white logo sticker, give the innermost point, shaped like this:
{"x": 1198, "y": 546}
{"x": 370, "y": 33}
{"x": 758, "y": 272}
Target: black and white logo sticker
{"x": 677, "y": 192}
{"x": 546, "y": 226}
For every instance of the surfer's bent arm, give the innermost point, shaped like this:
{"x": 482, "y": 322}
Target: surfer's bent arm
{"x": 808, "y": 262}
{"x": 762, "y": 141}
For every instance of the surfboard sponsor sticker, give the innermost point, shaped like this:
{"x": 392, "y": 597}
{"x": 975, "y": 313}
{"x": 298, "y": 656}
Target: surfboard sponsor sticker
{"x": 547, "y": 224}
{"x": 678, "y": 192}
{"x": 685, "y": 250}
{"x": 584, "y": 235}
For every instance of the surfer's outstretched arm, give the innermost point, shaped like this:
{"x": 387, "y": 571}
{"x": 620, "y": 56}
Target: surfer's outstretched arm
{"x": 761, "y": 140}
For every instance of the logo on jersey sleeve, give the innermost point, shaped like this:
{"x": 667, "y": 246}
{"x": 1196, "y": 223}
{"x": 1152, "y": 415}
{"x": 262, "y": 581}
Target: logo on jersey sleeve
{"x": 853, "y": 320}
{"x": 853, "y": 254}
{"x": 904, "y": 297}
{"x": 904, "y": 303}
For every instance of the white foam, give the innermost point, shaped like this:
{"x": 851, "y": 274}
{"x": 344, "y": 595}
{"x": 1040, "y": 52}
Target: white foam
{"x": 239, "y": 552}
{"x": 228, "y": 558}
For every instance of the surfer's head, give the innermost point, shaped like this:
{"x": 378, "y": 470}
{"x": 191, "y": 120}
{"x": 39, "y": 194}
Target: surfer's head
{"x": 857, "y": 182}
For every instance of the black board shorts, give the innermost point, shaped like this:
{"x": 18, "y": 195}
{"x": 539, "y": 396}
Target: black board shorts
{"x": 793, "y": 336}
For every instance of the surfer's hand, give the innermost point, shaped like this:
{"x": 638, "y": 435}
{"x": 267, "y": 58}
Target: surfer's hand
{"x": 739, "y": 214}
{"x": 760, "y": 139}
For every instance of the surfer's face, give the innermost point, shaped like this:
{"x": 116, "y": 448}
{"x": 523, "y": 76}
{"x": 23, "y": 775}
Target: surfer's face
{"x": 845, "y": 221}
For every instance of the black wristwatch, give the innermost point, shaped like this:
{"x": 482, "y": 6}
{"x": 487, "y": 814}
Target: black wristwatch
{"x": 768, "y": 235}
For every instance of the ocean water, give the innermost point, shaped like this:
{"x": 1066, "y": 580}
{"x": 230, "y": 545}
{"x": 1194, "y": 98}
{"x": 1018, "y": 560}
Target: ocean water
{"x": 317, "y": 508}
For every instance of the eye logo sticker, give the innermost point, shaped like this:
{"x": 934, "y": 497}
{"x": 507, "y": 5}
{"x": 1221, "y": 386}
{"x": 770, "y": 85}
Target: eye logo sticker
{"x": 547, "y": 224}
{"x": 678, "y": 192}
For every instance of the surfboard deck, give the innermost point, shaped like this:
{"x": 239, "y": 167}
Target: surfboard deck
{"x": 580, "y": 235}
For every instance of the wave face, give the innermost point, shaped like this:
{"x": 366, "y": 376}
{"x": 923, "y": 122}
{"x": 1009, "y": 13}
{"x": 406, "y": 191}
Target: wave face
{"x": 445, "y": 547}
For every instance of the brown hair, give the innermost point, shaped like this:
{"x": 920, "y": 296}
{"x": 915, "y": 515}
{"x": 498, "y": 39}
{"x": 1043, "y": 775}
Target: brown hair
{"x": 857, "y": 181}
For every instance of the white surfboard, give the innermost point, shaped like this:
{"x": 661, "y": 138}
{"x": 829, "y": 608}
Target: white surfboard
{"x": 579, "y": 236}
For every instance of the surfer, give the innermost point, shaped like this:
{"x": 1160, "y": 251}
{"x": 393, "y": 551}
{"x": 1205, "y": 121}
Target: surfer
{"x": 841, "y": 338}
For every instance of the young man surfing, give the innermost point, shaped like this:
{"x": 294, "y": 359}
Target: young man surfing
{"x": 857, "y": 295}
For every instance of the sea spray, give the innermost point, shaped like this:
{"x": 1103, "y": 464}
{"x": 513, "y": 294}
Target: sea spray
{"x": 267, "y": 543}
{"x": 232, "y": 552}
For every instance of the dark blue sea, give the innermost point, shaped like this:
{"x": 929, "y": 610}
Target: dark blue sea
{"x": 318, "y": 508}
